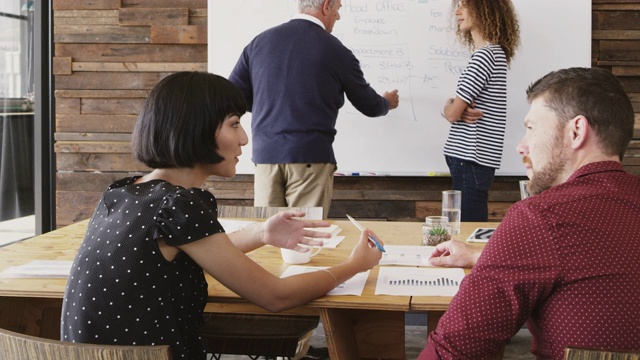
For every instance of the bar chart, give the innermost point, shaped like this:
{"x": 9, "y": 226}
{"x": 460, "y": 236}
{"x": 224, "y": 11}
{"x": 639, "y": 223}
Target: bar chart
{"x": 418, "y": 281}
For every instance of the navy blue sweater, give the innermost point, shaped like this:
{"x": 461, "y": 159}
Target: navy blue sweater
{"x": 294, "y": 77}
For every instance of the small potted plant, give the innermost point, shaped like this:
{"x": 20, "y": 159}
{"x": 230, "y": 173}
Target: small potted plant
{"x": 436, "y": 230}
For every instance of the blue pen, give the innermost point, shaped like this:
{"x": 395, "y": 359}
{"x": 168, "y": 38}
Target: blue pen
{"x": 357, "y": 224}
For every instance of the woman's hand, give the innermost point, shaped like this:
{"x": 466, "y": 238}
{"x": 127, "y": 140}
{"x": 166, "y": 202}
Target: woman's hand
{"x": 365, "y": 255}
{"x": 286, "y": 230}
{"x": 455, "y": 109}
{"x": 470, "y": 115}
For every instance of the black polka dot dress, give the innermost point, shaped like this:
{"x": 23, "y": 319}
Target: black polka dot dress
{"x": 121, "y": 289}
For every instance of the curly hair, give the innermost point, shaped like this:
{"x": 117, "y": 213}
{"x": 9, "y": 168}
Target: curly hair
{"x": 497, "y": 21}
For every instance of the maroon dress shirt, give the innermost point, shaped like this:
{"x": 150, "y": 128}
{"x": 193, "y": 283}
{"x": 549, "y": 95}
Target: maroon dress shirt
{"x": 566, "y": 262}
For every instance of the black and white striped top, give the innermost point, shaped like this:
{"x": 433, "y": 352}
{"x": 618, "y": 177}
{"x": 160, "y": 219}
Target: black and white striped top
{"x": 483, "y": 82}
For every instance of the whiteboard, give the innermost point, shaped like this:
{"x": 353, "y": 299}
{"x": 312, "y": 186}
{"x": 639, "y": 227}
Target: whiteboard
{"x": 422, "y": 60}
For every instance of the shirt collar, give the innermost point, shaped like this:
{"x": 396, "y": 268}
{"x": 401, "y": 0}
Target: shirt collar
{"x": 313, "y": 19}
{"x": 596, "y": 167}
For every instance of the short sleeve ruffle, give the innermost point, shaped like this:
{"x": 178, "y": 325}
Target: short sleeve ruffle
{"x": 187, "y": 215}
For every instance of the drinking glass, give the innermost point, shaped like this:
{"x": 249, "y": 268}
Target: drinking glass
{"x": 451, "y": 200}
{"x": 524, "y": 191}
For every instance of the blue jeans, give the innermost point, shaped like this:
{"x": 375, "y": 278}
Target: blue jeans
{"x": 474, "y": 181}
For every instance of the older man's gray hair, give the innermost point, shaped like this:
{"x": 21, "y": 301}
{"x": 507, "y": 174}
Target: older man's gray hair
{"x": 312, "y": 5}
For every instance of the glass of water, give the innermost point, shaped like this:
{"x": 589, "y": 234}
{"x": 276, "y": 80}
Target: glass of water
{"x": 524, "y": 189}
{"x": 451, "y": 200}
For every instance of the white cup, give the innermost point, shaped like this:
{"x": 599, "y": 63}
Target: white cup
{"x": 296, "y": 257}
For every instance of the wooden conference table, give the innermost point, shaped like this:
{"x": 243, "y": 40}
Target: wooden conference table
{"x": 367, "y": 326}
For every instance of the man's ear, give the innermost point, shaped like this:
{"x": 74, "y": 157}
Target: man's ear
{"x": 326, "y": 6}
{"x": 579, "y": 130}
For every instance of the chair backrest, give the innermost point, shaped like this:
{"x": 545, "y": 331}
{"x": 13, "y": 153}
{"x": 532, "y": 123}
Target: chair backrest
{"x": 590, "y": 354}
{"x": 17, "y": 346}
{"x": 264, "y": 212}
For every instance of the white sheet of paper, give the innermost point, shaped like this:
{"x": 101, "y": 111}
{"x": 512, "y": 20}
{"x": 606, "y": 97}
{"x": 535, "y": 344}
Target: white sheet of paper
{"x": 419, "y": 281}
{"x": 332, "y": 242}
{"x": 353, "y": 286}
{"x": 406, "y": 255}
{"x": 333, "y": 229}
{"x": 234, "y": 225}
{"x": 39, "y": 269}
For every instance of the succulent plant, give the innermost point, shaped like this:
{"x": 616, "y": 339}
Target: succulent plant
{"x": 438, "y": 231}
{"x": 435, "y": 235}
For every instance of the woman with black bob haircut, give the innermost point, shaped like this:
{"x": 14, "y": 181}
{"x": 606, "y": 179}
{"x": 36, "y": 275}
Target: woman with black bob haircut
{"x": 183, "y": 111}
{"x": 138, "y": 276}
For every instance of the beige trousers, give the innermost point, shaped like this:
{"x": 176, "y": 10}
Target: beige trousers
{"x": 290, "y": 185}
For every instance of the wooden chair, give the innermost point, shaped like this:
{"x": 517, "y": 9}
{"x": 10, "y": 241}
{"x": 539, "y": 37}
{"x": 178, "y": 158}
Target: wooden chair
{"x": 571, "y": 353}
{"x": 257, "y": 335}
{"x": 264, "y": 212}
{"x": 17, "y": 346}
{"x": 264, "y": 334}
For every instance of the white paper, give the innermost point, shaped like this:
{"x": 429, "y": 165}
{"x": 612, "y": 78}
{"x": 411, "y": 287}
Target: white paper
{"x": 407, "y": 281}
{"x": 39, "y": 269}
{"x": 333, "y": 229}
{"x": 353, "y": 286}
{"x": 332, "y": 242}
{"x": 407, "y": 255}
{"x": 230, "y": 226}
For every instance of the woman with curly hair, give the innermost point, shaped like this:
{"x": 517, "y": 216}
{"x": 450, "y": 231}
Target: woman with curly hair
{"x": 478, "y": 113}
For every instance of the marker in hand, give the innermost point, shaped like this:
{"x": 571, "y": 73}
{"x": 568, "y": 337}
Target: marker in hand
{"x": 374, "y": 240}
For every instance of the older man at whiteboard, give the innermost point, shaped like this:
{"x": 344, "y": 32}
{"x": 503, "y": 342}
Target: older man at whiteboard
{"x": 294, "y": 77}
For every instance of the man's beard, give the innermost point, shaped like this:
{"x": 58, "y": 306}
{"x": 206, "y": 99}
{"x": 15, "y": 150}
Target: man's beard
{"x": 547, "y": 177}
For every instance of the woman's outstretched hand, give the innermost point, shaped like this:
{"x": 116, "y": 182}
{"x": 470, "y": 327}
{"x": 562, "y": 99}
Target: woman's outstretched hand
{"x": 286, "y": 229}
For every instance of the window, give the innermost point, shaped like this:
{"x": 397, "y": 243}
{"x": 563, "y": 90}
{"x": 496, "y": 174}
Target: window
{"x": 17, "y": 98}
{"x": 16, "y": 55}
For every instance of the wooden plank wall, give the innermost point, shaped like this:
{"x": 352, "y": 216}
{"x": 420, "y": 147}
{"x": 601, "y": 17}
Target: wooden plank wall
{"x": 110, "y": 53}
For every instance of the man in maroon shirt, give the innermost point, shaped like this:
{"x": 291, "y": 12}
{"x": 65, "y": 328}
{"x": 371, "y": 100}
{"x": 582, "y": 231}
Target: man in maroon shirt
{"x": 567, "y": 260}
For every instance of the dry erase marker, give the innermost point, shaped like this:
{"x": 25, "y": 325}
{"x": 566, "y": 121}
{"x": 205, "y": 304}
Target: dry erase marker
{"x": 357, "y": 224}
